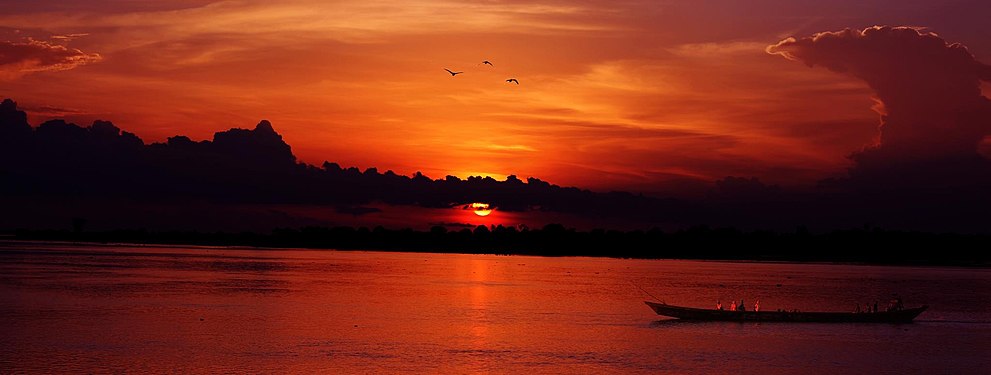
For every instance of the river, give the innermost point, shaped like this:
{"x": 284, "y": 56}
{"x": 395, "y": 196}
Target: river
{"x": 140, "y": 309}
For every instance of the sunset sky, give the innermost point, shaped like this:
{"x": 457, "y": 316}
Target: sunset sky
{"x": 644, "y": 96}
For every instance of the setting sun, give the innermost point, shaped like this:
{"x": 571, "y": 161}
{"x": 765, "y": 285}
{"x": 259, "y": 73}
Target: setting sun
{"x": 482, "y": 209}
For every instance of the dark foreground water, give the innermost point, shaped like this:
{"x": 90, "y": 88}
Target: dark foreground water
{"x": 85, "y": 309}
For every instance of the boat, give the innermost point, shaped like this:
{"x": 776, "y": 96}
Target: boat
{"x": 695, "y": 314}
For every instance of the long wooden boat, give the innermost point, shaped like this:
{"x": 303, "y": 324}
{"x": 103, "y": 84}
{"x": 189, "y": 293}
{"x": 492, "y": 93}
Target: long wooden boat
{"x": 689, "y": 313}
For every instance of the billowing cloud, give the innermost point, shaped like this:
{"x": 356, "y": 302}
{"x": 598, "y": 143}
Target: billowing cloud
{"x": 924, "y": 169}
{"x": 928, "y": 90}
{"x": 20, "y": 57}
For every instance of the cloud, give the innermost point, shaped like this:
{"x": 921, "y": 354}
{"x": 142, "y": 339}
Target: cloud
{"x": 453, "y": 225}
{"x": 21, "y": 57}
{"x": 924, "y": 170}
{"x": 356, "y": 210}
{"x": 362, "y": 21}
{"x": 52, "y": 111}
{"x": 497, "y": 147}
{"x": 712, "y": 49}
{"x": 69, "y": 37}
{"x": 928, "y": 89}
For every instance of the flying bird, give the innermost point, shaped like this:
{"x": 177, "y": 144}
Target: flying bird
{"x": 513, "y": 80}
{"x": 487, "y": 62}
{"x": 452, "y": 73}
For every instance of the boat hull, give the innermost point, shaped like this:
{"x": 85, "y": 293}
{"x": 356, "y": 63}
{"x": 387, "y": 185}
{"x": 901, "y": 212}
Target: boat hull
{"x": 689, "y": 313}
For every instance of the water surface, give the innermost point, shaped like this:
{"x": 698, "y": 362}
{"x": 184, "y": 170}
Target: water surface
{"x": 83, "y": 309}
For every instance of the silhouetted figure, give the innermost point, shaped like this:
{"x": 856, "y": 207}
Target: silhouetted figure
{"x": 452, "y": 73}
{"x": 719, "y": 305}
{"x": 513, "y": 80}
{"x": 742, "y": 306}
{"x": 875, "y": 306}
{"x": 487, "y": 63}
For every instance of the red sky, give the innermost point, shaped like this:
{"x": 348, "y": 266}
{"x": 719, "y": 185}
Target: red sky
{"x": 643, "y": 96}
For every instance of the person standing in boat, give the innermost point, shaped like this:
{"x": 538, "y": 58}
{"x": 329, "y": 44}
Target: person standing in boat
{"x": 719, "y": 305}
{"x": 742, "y": 306}
{"x": 732, "y": 306}
{"x": 757, "y": 306}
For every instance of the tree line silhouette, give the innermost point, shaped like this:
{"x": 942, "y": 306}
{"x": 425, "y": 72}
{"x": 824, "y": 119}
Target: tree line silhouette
{"x": 699, "y": 242}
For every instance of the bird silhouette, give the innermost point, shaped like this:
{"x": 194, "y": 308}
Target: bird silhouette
{"x": 487, "y": 62}
{"x": 452, "y": 73}
{"x": 513, "y": 80}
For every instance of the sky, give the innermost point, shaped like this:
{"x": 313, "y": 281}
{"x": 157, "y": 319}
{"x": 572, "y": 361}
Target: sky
{"x": 657, "y": 97}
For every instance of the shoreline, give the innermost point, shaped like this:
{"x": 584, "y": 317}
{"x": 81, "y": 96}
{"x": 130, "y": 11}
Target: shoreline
{"x": 8, "y": 242}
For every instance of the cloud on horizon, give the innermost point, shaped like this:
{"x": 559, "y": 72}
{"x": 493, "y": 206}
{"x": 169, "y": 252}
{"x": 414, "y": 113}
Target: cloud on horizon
{"x": 60, "y": 160}
{"x": 59, "y": 168}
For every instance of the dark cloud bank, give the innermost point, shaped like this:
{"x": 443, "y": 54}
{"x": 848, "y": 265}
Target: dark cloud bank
{"x": 924, "y": 173}
{"x": 58, "y": 161}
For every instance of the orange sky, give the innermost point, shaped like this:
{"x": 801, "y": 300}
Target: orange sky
{"x": 635, "y": 95}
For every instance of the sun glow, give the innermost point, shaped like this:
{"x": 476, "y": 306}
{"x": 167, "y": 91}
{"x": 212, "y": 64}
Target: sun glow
{"x": 482, "y": 209}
